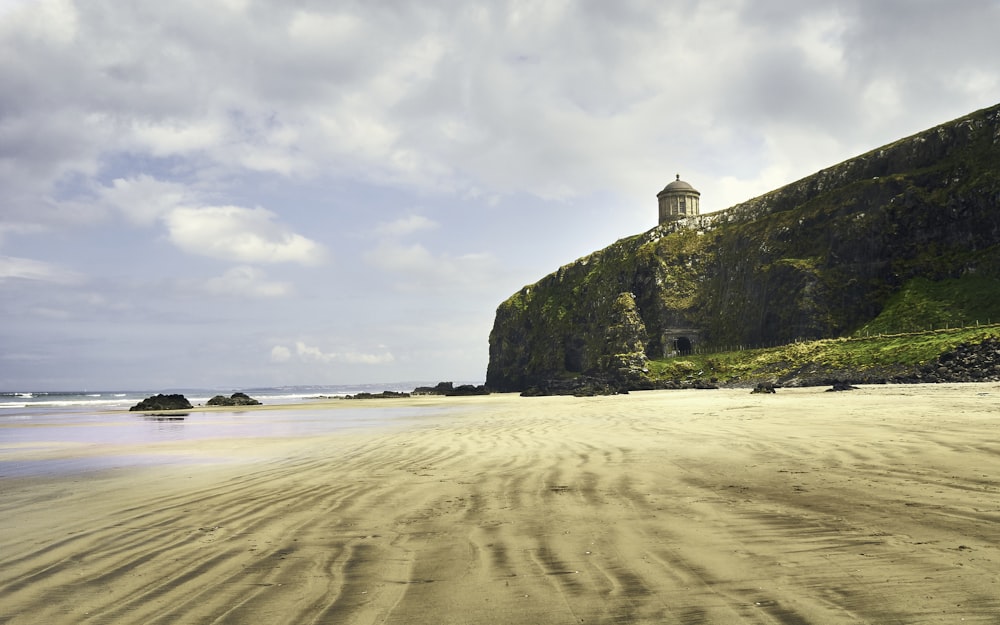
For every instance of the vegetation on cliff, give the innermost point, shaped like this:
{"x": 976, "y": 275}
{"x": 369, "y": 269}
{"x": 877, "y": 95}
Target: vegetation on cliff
{"x": 912, "y": 227}
{"x": 910, "y": 357}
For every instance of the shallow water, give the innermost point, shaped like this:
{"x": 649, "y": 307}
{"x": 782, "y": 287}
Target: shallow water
{"x": 71, "y": 441}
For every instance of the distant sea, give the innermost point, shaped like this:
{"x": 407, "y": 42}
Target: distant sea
{"x": 40, "y": 402}
{"x": 70, "y": 432}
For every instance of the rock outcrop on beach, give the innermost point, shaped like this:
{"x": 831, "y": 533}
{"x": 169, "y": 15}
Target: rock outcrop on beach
{"x": 162, "y": 402}
{"x": 382, "y": 395}
{"x": 448, "y": 389}
{"x": 236, "y": 399}
{"x": 822, "y": 257}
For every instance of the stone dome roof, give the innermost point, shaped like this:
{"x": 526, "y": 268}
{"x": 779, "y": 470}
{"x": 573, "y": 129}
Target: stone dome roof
{"x": 678, "y": 185}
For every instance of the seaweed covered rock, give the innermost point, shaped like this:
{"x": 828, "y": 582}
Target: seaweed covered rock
{"x": 236, "y": 399}
{"x": 463, "y": 390}
{"x": 162, "y": 402}
{"x": 448, "y": 389}
{"x": 441, "y": 388}
{"x": 382, "y": 395}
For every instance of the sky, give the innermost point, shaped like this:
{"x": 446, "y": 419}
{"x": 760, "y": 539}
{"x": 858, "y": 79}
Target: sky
{"x": 245, "y": 193}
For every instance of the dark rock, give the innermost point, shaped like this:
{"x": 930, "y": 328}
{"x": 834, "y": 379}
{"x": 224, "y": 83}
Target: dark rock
{"x": 450, "y": 390}
{"x": 625, "y": 339}
{"x": 382, "y": 395}
{"x": 157, "y": 403}
{"x": 840, "y": 385}
{"x": 236, "y": 399}
{"x": 468, "y": 389}
{"x": 763, "y": 387}
{"x": 581, "y": 386}
{"x": 970, "y": 362}
{"x": 441, "y": 388}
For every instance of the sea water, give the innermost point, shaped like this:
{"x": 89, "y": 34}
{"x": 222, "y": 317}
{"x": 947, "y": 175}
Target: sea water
{"x": 32, "y": 402}
{"x": 78, "y": 432}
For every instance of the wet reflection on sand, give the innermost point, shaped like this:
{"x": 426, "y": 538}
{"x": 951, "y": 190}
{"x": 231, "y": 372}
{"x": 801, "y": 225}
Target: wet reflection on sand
{"x": 71, "y": 442}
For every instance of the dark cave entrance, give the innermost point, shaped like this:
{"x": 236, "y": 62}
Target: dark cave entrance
{"x": 683, "y": 345}
{"x": 573, "y": 356}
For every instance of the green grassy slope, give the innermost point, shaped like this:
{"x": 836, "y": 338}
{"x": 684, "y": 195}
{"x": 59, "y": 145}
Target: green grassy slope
{"x": 873, "y": 357}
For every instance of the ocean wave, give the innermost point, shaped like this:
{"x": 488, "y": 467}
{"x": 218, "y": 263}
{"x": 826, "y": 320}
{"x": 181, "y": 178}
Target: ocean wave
{"x": 114, "y": 399}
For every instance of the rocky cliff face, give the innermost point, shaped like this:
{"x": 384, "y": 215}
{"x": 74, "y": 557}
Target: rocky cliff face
{"x": 817, "y": 258}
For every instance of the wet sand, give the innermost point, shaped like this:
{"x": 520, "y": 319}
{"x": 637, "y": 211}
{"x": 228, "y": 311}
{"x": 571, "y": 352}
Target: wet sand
{"x": 880, "y": 505}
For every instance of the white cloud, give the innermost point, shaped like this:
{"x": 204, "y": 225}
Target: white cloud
{"x": 12, "y": 267}
{"x": 245, "y": 281}
{"x": 415, "y": 268}
{"x": 144, "y": 199}
{"x": 310, "y": 352}
{"x": 560, "y": 101}
{"x": 315, "y": 354}
{"x": 361, "y": 358}
{"x": 234, "y": 233}
{"x": 280, "y": 353}
{"x": 405, "y": 226}
{"x": 7, "y": 6}
{"x": 247, "y": 235}
{"x": 176, "y": 136}
{"x": 320, "y": 31}
{"x": 54, "y": 21}
{"x": 8, "y": 229}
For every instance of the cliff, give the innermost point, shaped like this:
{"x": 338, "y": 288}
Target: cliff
{"x": 818, "y": 258}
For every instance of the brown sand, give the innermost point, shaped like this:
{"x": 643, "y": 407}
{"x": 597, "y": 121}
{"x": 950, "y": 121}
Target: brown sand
{"x": 875, "y": 506}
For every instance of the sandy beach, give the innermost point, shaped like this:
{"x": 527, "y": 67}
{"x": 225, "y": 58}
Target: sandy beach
{"x": 880, "y": 505}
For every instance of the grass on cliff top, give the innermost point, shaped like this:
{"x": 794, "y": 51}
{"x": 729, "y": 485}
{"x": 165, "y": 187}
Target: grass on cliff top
{"x": 843, "y": 354}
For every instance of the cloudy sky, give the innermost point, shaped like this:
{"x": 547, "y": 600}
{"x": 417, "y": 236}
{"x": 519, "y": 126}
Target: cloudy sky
{"x": 236, "y": 193}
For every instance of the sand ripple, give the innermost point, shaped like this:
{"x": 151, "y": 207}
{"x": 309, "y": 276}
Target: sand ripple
{"x": 876, "y": 506}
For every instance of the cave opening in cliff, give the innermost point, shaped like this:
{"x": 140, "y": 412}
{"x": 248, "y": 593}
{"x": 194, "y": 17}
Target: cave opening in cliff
{"x": 683, "y": 345}
{"x": 573, "y": 356}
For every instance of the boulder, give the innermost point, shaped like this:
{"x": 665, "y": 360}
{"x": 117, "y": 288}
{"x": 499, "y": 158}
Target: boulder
{"x": 839, "y": 385}
{"x": 162, "y": 402}
{"x": 450, "y": 390}
{"x": 468, "y": 389}
{"x": 236, "y": 399}
{"x": 441, "y": 388}
{"x": 382, "y": 395}
{"x": 763, "y": 387}
{"x": 580, "y": 386}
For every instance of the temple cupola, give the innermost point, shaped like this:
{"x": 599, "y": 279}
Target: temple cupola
{"x": 677, "y": 201}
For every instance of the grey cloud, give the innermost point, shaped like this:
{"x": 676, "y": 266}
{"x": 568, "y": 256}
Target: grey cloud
{"x": 498, "y": 96}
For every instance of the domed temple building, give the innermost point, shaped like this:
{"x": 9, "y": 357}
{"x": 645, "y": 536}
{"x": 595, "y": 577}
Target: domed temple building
{"x": 677, "y": 201}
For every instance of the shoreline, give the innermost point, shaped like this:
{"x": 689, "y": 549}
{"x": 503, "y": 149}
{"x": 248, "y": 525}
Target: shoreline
{"x": 681, "y": 506}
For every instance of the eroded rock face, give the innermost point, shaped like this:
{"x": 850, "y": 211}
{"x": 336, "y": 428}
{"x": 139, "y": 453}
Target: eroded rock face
{"x": 162, "y": 402}
{"x": 625, "y": 343}
{"x": 815, "y": 259}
